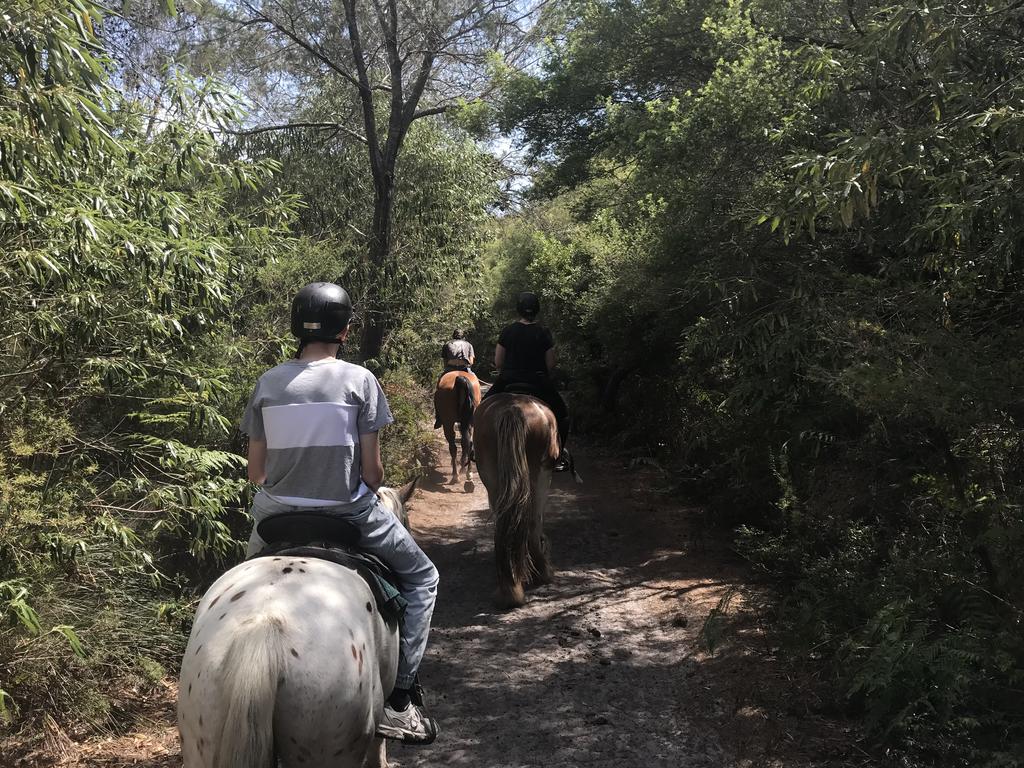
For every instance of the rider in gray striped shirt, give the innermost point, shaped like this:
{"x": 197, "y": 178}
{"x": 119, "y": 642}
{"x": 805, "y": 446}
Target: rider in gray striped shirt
{"x": 313, "y": 426}
{"x": 311, "y": 414}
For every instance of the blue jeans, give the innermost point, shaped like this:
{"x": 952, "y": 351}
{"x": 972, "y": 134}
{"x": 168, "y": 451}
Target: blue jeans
{"x": 383, "y": 535}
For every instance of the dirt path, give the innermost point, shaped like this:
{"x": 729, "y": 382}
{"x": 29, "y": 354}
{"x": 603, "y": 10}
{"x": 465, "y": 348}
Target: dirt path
{"x": 615, "y": 664}
{"x": 608, "y": 666}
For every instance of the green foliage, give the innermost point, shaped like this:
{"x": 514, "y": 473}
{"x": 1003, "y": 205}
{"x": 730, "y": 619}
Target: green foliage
{"x": 788, "y": 238}
{"x": 146, "y": 264}
{"x": 120, "y": 252}
{"x": 406, "y": 444}
{"x": 438, "y": 235}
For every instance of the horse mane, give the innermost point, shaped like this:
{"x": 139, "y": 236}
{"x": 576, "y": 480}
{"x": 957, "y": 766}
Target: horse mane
{"x": 513, "y": 499}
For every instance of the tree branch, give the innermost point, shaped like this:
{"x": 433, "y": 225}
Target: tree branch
{"x": 365, "y": 91}
{"x": 396, "y": 130}
{"x": 311, "y": 49}
{"x": 287, "y": 126}
{"x": 828, "y": 44}
{"x": 416, "y": 90}
{"x": 431, "y": 111}
{"x": 853, "y": 19}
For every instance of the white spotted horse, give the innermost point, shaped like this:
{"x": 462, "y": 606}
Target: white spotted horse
{"x": 289, "y": 664}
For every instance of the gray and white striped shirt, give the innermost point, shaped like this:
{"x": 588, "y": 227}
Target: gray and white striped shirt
{"x": 311, "y": 413}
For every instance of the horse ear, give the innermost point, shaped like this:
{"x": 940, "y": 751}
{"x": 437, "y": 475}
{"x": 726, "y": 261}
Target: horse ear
{"x": 406, "y": 491}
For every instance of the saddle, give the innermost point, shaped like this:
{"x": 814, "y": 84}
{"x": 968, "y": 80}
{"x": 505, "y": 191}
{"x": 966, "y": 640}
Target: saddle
{"x": 326, "y": 537}
{"x": 524, "y": 388}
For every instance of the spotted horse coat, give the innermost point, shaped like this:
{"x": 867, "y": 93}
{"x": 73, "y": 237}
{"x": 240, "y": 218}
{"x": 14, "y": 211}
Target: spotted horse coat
{"x": 288, "y": 657}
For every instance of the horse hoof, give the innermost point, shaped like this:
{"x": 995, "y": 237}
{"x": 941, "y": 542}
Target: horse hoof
{"x": 541, "y": 579}
{"x": 509, "y": 597}
{"x": 468, "y": 486}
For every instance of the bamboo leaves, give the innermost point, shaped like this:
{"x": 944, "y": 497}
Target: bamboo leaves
{"x": 122, "y": 253}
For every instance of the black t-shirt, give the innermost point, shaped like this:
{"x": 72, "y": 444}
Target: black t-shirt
{"x": 525, "y": 347}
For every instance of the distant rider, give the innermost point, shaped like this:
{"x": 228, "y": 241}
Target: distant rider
{"x": 458, "y": 354}
{"x": 313, "y": 426}
{"x": 525, "y": 354}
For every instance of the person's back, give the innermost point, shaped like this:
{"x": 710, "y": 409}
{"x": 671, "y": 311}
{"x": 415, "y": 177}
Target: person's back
{"x": 311, "y": 414}
{"x": 525, "y": 353}
{"x": 457, "y": 353}
{"x": 526, "y": 346}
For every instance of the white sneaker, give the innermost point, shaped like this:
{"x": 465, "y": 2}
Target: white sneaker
{"x": 410, "y": 725}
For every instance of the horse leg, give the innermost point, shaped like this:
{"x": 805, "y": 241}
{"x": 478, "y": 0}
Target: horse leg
{"x": 511, "y": 593}
{"x": 467, "y": 454}
{"x": 453, "y": 449}
{"x": 466, "y": 438}
{"x": 539, "y": 548}
{"x": 377, "y": 755}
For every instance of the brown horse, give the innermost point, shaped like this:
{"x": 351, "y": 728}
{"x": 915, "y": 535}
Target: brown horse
{"x": 517, "y": 446}
{"x": 455, "y": 399}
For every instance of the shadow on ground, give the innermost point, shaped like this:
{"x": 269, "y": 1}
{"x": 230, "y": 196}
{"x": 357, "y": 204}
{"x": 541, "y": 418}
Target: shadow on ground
{"x": 616, "y": 663}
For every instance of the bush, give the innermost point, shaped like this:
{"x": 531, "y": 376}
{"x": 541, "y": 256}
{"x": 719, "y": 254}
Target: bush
{"x": 788, "y": 241}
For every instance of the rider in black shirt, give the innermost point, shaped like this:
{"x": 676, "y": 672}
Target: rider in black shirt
{"x": 525, "y": 354}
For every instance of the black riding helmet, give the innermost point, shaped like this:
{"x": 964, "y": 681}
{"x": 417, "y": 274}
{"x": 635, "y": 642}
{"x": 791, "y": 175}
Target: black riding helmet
{"x": 528, "y": 305}
{"x": 321, "y": 311}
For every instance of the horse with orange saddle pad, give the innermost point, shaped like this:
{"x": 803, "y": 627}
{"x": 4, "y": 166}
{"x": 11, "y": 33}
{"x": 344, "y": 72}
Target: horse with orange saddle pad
{"x": 455, "y": 400}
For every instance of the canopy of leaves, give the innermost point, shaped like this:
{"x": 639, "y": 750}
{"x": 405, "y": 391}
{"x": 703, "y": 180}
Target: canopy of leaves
{"x": 119, "y": 254}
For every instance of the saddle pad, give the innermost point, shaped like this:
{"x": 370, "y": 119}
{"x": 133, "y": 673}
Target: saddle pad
{"x": 375, "y": 573}
{"x": 298, "y": 527}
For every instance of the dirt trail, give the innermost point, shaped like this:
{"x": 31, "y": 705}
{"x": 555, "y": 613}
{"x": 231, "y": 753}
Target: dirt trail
{"x": 608, "y": 666}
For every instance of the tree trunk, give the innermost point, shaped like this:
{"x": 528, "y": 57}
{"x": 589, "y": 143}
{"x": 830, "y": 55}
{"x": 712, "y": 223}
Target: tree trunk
{"x": 375, "y": 315}
{"x": 610, "y": 395}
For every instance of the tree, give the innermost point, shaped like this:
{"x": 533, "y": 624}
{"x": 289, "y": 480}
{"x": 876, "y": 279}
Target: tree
{"x": 397, "y": 62}
{"x": 441, "y": 211}
{"x": 143, "y": 256}
{"x": 122, "y": 256}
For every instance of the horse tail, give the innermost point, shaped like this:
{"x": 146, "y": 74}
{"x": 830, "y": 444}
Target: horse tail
{"x": 513, "y": 501}
{"x": 464, "y": 398}
{"x": 252, "y": 667}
